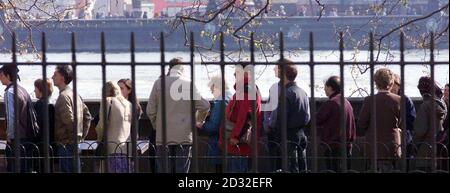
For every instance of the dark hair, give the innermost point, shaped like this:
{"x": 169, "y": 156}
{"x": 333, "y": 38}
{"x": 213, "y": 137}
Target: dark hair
{"x": 11, "y": 71}
{"x": 65, "y": 71}
{"x": 127, "y": 82}
{"x": 290, "y": 69}
{"x": 447, "y": 85}
{"x": 335, "y": 83}
{"x": 40, "y": 85}
{"x": 174, "y": 62}
{"x": 426, "y": 85}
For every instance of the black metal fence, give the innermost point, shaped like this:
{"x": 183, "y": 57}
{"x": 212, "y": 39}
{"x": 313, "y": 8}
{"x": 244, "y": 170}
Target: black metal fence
{"x": 42, "y": 155}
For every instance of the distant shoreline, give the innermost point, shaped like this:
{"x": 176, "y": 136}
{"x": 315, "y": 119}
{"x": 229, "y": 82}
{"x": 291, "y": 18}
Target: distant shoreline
{"x": 147, "y": 32}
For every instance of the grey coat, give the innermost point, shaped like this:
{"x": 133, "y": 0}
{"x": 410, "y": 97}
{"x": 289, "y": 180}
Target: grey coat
{"x": 423, "y": 135}
{"x": 178, "y": 108}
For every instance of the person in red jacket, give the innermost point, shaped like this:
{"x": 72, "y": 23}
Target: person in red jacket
{"x": 239, "y": 116}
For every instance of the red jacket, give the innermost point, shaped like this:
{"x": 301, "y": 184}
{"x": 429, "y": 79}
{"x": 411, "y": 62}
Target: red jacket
{"x": 237, "y": 112}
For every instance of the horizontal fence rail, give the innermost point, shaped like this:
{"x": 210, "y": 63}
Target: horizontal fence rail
{"x": 146, "y": 155}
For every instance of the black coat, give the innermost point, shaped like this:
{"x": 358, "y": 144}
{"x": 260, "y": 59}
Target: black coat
{"x": 39, "y": 108}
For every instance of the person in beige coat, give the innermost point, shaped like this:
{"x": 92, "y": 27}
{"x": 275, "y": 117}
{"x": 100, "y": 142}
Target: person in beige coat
{"x": 178, "y": 116}
{"x": 118, "y": 116}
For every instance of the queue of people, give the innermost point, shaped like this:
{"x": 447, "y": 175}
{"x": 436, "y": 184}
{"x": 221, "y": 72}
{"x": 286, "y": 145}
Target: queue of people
{"x": 239, "y": 116}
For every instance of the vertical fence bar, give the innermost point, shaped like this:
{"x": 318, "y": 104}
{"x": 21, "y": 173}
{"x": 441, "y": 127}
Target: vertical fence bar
{"x": 76, "y": 156}
{"x": 165, "y": 162}
{"x": 193, "y": 120}
{"x": 46, "y": 114}
{"x": 404, "y": 128}
{"x": 16, "y": 139}
{"x": 282, "y": 109}
{"x": 105, "y": 114}
{"x": 343, "y": 117}
{"x": 135, "y": 111}
{"x": 373, "y": 112}
{"x": 313, "y": 105}
{"x": 433, "y": 107}
{"x": 255, "y": 127}
{"x": 222, "y": 106}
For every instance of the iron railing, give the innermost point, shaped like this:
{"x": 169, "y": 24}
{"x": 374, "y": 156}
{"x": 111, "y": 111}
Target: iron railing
{"x": 44, "y": 158}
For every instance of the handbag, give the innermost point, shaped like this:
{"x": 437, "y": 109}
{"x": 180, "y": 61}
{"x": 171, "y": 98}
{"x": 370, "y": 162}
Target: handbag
{"x": 245, "y": 136}
{"x": 100, "y": 150}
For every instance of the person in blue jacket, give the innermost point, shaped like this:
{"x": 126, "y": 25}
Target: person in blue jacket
{"x": 410, "y": 118}
{"x": 212, "y": 124}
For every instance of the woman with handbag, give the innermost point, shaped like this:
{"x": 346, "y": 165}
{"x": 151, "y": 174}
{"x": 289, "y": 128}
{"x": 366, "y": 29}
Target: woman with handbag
{"x": 119, "y": 126}
{"x": 239, "y": 113}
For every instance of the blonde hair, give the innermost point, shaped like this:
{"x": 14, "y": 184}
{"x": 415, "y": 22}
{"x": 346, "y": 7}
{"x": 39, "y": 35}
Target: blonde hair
{"x": 216, "y": 81}
{"x": 112, "y": 89}
{"x": 384, "y": 78}
{"x": 396, "y": 77}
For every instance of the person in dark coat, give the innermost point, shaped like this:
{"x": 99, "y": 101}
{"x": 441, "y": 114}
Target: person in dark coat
{"x": 21, "y": 132}
{"x": 387, "y": 130}
{"x": 424, "y": 135}
{"x": 446, "y": 123}
{"x": 443, "y": 140}
{"x": 297, "y": 117}
{"x": 39, "y": 105}
{"x": 328, "y": 125}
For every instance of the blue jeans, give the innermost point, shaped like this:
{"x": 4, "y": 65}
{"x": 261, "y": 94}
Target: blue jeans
{"x": 118, "y": 163}
{"x": 301, "y": 152}
{"x": 296, "y": 153}
{"x": 179, "y": 160}
{"x": 237, "y": 164}
{"x": 296, "y": 158}
{"x": 67, "y": 159}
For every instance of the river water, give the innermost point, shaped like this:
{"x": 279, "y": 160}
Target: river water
{"x": 89, "y": 78}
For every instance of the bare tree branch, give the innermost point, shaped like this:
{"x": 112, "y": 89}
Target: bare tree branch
{"x": 251, "y": 18}
{"x": 412, "y": 21}
{"x": 322, "y": 9}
